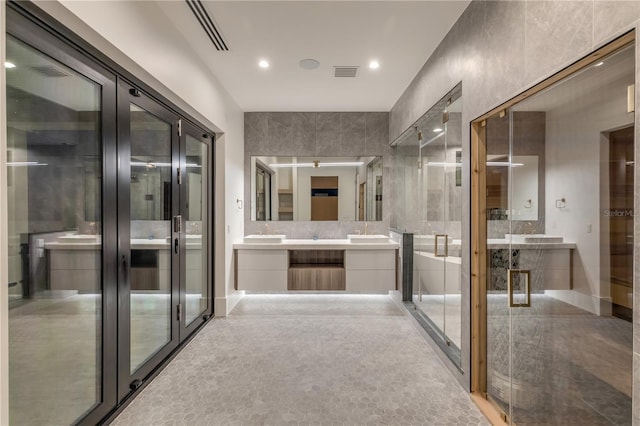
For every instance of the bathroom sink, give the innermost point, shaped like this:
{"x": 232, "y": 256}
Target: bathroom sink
{"x": 366, "y": 239}
{"x": 533, "y": 238}
{"x": 264, "y": 239}
{"x": 79, "y": 239}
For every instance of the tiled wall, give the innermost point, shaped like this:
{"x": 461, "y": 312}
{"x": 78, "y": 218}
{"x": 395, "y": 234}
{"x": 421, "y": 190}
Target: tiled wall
{"x": 321, "y": 134}
{"x": 498, "y": 49}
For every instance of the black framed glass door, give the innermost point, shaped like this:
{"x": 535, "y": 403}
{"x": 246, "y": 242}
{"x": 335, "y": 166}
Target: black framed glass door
{"x": 196, "y": 301}
{"x": 149, "y": 251}
{"x": 61, "y": 133}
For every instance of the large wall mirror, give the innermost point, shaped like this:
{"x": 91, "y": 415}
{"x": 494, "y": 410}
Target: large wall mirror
{"x": 316, "y": 188}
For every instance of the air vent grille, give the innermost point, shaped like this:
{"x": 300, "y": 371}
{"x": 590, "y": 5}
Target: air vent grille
{"x": 49, "y": 71}
{"x": 208, "y": 24}
{"x": 345, "y": 71}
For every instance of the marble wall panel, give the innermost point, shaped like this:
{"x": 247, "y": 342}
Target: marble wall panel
{"x": 303, "y": 133}
{"x": 279, "y": 130}
{"x": 352, "y": 133}
{"x": 255, "y": 131}
{"x": 321, "y": 134}
{"x": 552, "y": 38}
{"x": 328, "y": 133}
{"x": 610, "y": 16}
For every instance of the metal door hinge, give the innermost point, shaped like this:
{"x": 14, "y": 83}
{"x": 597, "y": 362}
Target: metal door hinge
{"x": 179, "y": 172}
{"x": 179, "y": 312}
{"x": 177, "y": 223}
{"x": 180, "y": 127}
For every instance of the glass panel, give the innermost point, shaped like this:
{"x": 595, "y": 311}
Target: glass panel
{"x": 430, "y": 242}
{"x": 499, "y": 260}
{"x": 562, "y": 221}
{"x": 197, "y": 287}
{"x": 55, "y": 246}
{"x": 453, "y": 224}
{"x": 150, "y": 274}
{"x": 428, "y": 194}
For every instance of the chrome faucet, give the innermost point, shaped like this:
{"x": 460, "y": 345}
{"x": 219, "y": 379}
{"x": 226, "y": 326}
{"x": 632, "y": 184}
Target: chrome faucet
{"x": 365, "y": 228}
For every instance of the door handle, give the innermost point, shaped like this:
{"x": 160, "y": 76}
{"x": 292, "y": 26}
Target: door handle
{"x": 446, "y": 245}
{"x": 125, "y": 268}
{"x": 176, "y": 246}
{"x": 510, "y": 278}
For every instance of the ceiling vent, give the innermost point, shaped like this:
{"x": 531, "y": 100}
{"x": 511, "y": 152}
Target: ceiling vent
{"x": 49, "y": 71}
{"x": 208, "y": 24}
{"x": 345, "y": 71}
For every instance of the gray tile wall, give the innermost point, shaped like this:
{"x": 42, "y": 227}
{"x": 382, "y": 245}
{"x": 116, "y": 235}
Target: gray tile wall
{"x": 321, "y": 134}
{"x": 498, "y": 49}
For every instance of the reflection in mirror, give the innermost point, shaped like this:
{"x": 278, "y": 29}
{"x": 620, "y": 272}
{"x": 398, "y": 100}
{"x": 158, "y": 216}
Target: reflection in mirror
{"x": 263, "y": 192}
{"x": 524, "y": 202}
{"x": 316, "y": 188}
{"x": 150, "y": 188}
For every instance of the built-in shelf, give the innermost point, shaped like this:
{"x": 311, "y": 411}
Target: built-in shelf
{"x": 316, "y": 270}
{"x": 285, "y": 204}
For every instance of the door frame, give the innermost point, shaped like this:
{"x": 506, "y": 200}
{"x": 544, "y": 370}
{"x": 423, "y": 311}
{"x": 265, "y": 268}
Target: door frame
{"x": 479, "y": 225}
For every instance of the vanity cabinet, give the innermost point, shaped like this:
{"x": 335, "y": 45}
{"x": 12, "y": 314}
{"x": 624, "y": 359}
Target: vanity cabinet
{"x": 325, "y": 265}
{"x": 370, "y": 270}
{"x": 75, "y": 269}
{"x": 263, "y": 270}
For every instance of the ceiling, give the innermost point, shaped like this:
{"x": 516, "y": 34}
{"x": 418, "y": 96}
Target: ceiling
{"x": 400, "y": 35}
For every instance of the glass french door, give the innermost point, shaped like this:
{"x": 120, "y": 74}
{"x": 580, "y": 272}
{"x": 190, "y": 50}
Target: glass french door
{"x": 164, "y": 233}
{"x": 559, "y": 223}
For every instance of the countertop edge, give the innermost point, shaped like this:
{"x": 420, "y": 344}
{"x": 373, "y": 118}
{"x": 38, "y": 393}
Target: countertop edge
{"x": 318, "y": 244}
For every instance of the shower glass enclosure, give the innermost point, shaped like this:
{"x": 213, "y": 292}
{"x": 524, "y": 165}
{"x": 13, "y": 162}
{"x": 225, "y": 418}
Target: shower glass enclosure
{"x": 558, "y": 170}
{"x": 428, "y": 188}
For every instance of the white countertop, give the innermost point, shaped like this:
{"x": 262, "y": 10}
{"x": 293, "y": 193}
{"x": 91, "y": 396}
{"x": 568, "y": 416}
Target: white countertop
{"x": 136, "y": 244}
{"x": 322, "y": 244}
{"x": 502, "y": 243}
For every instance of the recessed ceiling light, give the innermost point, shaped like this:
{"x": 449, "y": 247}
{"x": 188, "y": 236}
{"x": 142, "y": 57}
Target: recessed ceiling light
{"x": 599, "y": 64}
{"x": 9, "y": 65}
{"x": 263, "y": 63}
{"x": 374, "y": 65}
{"x": 309, "y": 64}
{"x": 437, "y": 129}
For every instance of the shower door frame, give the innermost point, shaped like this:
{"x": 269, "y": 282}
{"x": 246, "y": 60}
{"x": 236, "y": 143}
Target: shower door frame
{"x": 479, "y": 267}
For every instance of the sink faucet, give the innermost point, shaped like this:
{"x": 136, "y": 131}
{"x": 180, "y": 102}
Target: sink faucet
{"x": 365, "y": 228}
{"x": 267, "y": 229}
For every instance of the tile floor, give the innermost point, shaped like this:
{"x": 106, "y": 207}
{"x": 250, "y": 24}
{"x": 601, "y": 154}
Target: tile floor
{"x": 311, "y": 359}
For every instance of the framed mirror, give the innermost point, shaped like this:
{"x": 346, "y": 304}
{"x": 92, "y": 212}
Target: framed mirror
{"x": 316, "y": 188}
